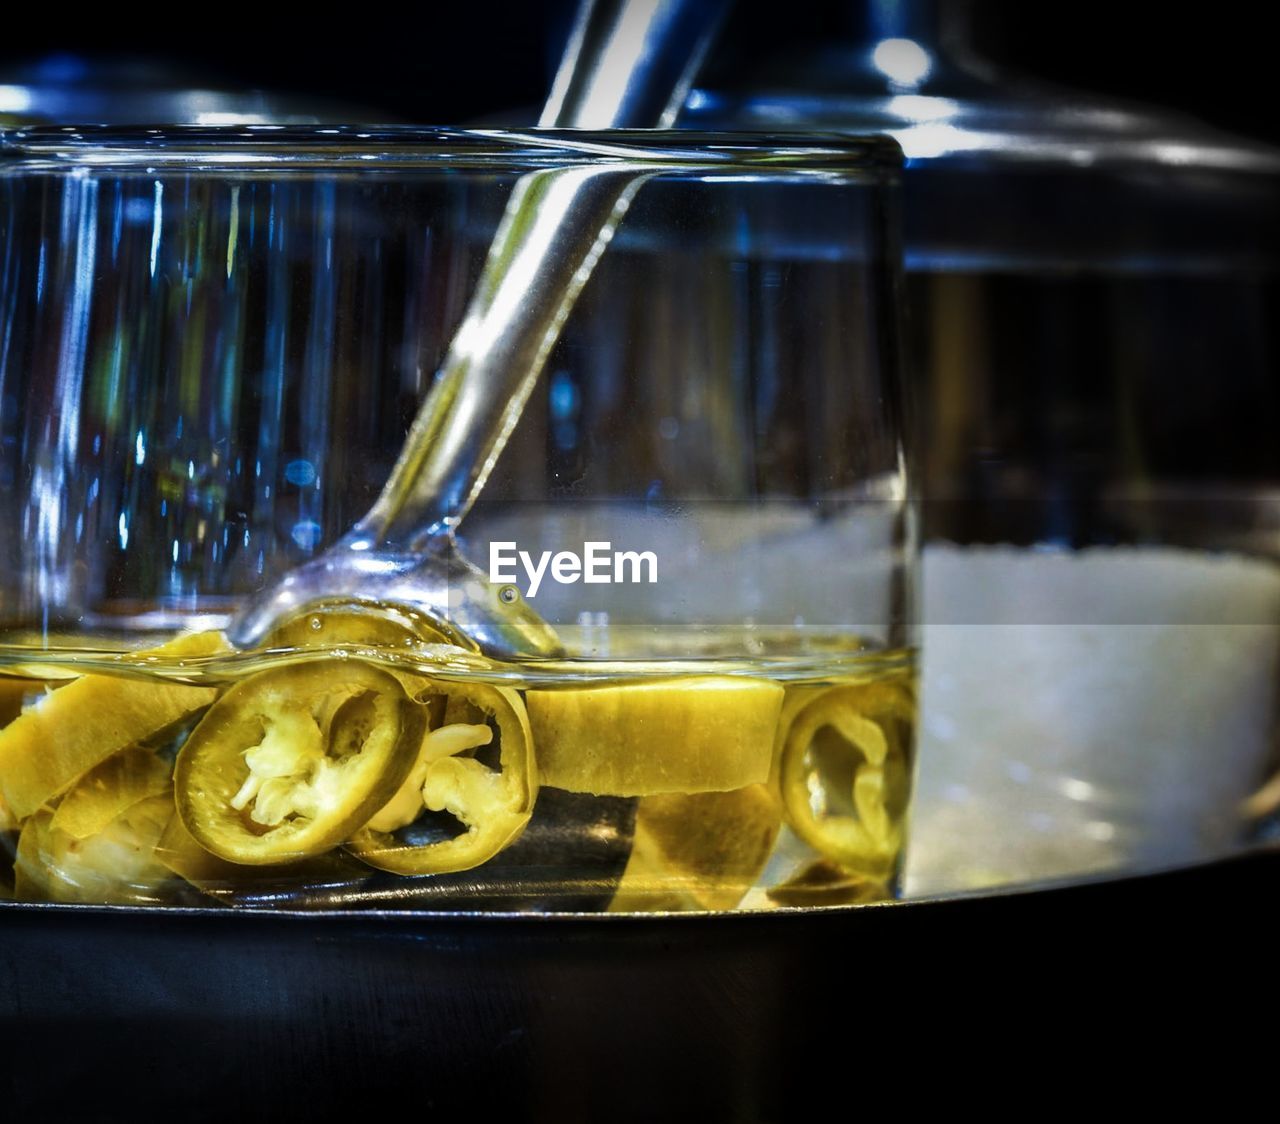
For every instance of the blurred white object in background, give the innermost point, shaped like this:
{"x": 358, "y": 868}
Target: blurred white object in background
{"x": 1100, "y": 711}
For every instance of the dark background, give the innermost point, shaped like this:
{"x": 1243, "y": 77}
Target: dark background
{"x": 450, "y": 62}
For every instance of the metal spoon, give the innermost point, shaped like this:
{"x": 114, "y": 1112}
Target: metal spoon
{"x": 628, "y": 63}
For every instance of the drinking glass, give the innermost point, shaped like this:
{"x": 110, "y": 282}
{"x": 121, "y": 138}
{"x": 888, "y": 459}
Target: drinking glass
{"x": 212, "y": 344}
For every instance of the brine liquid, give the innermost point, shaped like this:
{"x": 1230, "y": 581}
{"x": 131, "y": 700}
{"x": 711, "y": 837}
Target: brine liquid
{"x": 826, "y": 828}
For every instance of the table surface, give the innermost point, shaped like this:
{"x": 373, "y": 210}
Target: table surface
{"x": 742, "y": 1017}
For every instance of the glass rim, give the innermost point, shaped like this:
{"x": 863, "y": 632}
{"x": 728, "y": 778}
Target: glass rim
{"x": 259, "y": 147}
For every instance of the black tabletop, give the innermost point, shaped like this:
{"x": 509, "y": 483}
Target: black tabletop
{"x": 126, "y": 1015}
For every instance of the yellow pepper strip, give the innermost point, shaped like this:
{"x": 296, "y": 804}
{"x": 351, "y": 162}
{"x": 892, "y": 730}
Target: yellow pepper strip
{"x": 493, "y": 806}
{"x": 109, "y": 790}
{"x": 14, "y": 694}
{"x": 703, "y": 851}
{"x": 704, "y": 734}
{"x": 115, "y": 865}
{"x": 55, "y": 742}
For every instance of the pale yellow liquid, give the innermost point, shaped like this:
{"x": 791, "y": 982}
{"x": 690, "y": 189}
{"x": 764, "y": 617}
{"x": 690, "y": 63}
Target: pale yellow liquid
{"x": 580, "y": 852}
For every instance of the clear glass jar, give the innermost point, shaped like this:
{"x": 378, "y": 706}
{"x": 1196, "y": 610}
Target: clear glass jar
{"x": 213, "y": 344}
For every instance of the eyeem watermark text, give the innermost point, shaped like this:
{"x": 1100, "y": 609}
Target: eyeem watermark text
{"x": 598, "y": 564}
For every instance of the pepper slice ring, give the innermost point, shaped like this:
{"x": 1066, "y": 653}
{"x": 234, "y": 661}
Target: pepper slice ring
{"x": 868, "y": 720}
{"x": 290, "y": 762}
{"x": 493, "y": 806}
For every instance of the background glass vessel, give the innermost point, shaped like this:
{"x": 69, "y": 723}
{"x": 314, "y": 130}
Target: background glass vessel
{"x": 1092, "y": 290}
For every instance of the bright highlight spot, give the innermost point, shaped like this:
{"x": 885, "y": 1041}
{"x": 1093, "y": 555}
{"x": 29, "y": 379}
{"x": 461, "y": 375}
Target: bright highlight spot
{"x": 920, "y": 107}
{"x": 306, "y": 533}
{"x": 14, "y": 99}
{"x": 902, "y": 61}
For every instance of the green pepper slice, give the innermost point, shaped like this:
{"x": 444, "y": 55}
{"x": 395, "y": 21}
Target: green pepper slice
{"x": 290, "y": 762}
{"x": 103, "y": 794}
{"x": 491, "y": 805}
{"x": 303, "y": 884}
{"x": 114, "y": 865}
{"x": 843, "y": 773}
{"x": 56, "y": 741}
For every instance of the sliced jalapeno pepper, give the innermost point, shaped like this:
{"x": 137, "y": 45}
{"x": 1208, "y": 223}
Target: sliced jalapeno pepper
{"x": 701, "y": 851}
{"x": 844, "y": 773}
{"x": 14, "y": 693}
{"x": 291, "y": 762}
{"x": 305, "y": 884}
{"x": 386, "y": 627}
{"x": 492, "y": 806}
{"x": 106, "y": 792}
{"x": 54, "y": 743}
{"x": 115, "y": 864}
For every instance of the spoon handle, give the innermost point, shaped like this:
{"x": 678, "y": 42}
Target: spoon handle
{"x": 629, "y": 62}
{"x": 556, "y": 225}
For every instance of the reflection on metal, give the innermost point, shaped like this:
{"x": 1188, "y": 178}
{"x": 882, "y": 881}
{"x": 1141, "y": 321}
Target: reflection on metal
{"x": 554, "y": 230}
{"x": 628, "y": 63}
{"x": 903, "y": 61}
